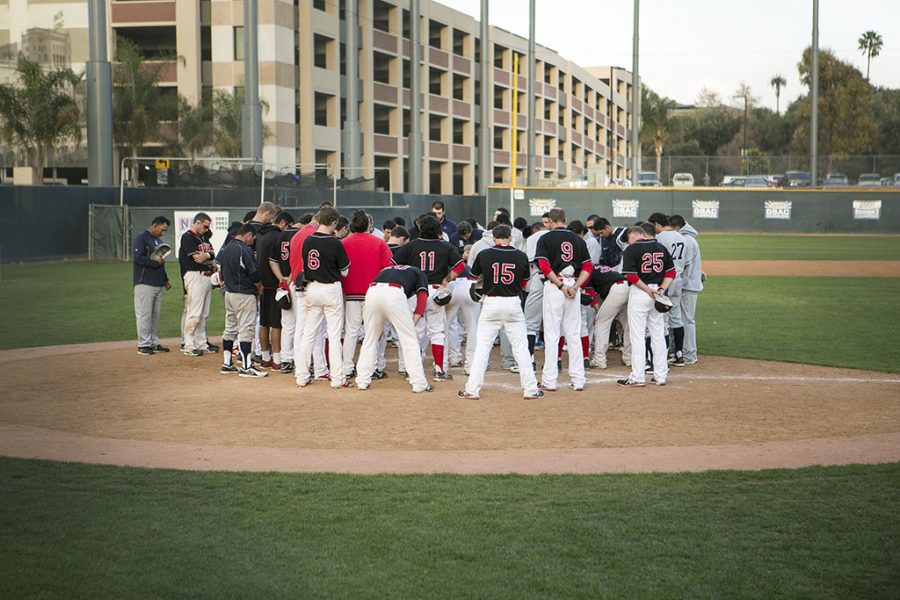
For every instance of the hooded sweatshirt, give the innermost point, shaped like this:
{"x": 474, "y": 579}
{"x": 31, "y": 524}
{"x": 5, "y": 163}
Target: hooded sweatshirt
{"x": 692, "y": 264}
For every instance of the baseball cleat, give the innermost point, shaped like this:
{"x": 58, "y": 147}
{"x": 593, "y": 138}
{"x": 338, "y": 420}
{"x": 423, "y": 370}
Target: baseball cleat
{"x": 678, "y": 361}
{"x": 266, "y": 364}
{"x": 287, "y": 368}
{"x": 211, "y": 348}
{"x": 146, "y": 351}
{"x": 512, "y": 368}
{"x": 535, "y": 396}
{"x": 379, "y": 374}
{"x": 597, "y": 364}
{"x": 403, "y": 374}
{"x": 455, "y": 364}
{"x": 648, "y": 368}
{"x": 276, "y": 366}
{"x": 251, "y": 372}
{"x": 362, "y": 388}
{"x": 577, "y": 388}
{"x": 588, "y": 364}
{"x": 630, "y": 383}
{"x": 656, "y": 381}
{"x": 303, "y": 383}
{"x": 194, "y": 352}
{"x": 228, "y": 369}
{"x": 427, "y": 388}
{"x": 159, "y": 348}
{"x": 325, "y": 377}
{"x": 463, "y": 394}
{"x": 441, "y": 376}
{"x": 352, "y": 373}
{"x": 545, "y": 387}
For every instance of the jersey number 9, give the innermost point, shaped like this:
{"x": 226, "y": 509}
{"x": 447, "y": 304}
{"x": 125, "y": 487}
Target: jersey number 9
{"x": 567, "y": 252}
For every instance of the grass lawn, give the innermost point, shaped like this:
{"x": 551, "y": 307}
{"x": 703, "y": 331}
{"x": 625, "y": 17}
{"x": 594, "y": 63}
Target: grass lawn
{"x": 721, "y": 246}
{"x": 85, "y": 531}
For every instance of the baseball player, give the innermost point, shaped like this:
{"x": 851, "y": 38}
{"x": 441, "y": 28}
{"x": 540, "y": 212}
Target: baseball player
{"x": 295, "y": 258}
{"x": 267, "y": 253}
{"x": 388, "y": 301}
{"x": 563, "y": 259}
{"x": 368, "y": 254}
{"x": 534, "y": 302}
{"x": 501, "y": 216}
{"x": 674, "y": 242}
{"x": 240, "y": 276}
{"x": 610, "y": 242}
{"x": 325, "y": 262}
{"x": 504, "y": 272}
{"x": 197, "y": 261}
{"x": 693, "y": 285}
{"x": 462, "y": 306}
{"x": 611, "y": 290}
{"x": 441, "y": 263}
{"x": 280, "y": 263}
{"x": 150, "y": 279}
{"x": 650, "y": 270}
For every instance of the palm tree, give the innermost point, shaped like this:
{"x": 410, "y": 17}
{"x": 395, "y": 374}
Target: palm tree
{"x": 778, "y": 82}
{"x": 40, "y": 113}
{"x": 870, "y": 44}
{"x": 654, "y": 122}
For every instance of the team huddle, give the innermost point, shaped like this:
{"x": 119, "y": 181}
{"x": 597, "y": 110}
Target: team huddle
{"x": 301, "y": 295}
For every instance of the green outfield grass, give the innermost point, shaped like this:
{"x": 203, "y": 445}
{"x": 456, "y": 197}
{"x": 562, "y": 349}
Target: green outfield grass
{"x": 820, "y": 320}
{"x": 85, "y": 531}
{"x": 722, "y": 246}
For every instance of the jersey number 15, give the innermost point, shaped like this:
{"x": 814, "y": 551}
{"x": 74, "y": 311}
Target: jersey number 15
{"x": 504, "y": 273}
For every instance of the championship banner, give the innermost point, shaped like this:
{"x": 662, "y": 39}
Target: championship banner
{"x": 219, "y": 226}
{"x": 705, "y": 209}
{"x": 538, "y": 206}
{"x": 867, "y": 209}
{"x": 625, "y": 209}
{"x": 779, "y": 209}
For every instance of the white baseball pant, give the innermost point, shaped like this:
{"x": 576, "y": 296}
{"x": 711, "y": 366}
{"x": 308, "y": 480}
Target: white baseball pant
{"x": 561, "y": 316}
{"x": 501, "y": 313}
{"x": 461, "y": 306}
{"x": 324, "y": 301}
{"x": 353, "y": 320}
{"x": 642, "y": 316}
{"x": 320, "y": 365}
{"x": 288, "y": 327}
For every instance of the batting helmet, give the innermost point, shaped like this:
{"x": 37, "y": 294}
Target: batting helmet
{"x": 586, "y": 300}
{"x": 662, "y": 304}
{"x": 161, "y": 252}
{"x": 283, "y": 298}
{"x": 442, "y": 296}
{"x": 476, "y": 293}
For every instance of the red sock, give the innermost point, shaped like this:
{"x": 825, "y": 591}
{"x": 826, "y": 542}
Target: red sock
{"x": 562, "y": 342}
{"x": 327, "y": 362}
{"x": 585, "y": 345}
{"x": 437, "y": 351}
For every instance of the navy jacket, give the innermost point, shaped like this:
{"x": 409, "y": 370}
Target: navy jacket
{"x": 239, "y": 270}
{"x": 146, "y": 271}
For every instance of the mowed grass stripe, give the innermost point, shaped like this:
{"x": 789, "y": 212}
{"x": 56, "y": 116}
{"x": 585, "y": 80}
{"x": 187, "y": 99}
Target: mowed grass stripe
{"x": 71, "y": 530}
{"x": 833, "y": 321}
{"x": 723, "y": 246}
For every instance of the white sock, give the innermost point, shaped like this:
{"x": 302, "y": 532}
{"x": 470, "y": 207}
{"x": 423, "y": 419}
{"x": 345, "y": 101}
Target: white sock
{"x": 276, "y": 357}
{"x": 266, "y": 355}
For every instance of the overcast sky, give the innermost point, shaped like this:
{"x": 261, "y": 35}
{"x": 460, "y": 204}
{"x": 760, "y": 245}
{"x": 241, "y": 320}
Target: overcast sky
{"x": 689, "y": 44}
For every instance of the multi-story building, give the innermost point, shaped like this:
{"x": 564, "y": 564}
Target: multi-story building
{"x": 582, "y": 115}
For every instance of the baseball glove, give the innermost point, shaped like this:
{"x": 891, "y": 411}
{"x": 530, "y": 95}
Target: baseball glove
{"x": 442, "y": 296}
{"x": 476, "y": 293}
{"x": 160, "y": 253}
{"x": 663, "y": 304}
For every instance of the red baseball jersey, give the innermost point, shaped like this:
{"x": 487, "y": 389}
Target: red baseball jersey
{"x": 369, "y": 254}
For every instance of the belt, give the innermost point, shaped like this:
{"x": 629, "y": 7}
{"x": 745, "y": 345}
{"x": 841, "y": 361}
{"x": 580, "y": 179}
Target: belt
{"x": 620, "y": 281}
{"x": 381, "y": 283}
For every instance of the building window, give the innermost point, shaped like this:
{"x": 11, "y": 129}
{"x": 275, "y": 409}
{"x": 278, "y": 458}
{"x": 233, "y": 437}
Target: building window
{"x": 322, "y": 108}
{"x": 436, "y": 81}
{"x": 434, "y": 177}
{"x": 459, "y": 131}
{"x": 498, "y": 97}
{"x": 499, "y": 133}
{"x": 459, "y": 42}
{"x": 435, "y": 127}
{"x": 319, "y": 5}
{"x": 381, "y": 67}
{"x": 459, "y": 87}
{"x": 321, "y": 47}
{"x": 498, "y": 56}
{"x": 436, "y": 34}
{"x": 407, "y": 76}
{"x": 407, "y": 30}
{"x": 239, "y": 43}
{"x": 382, "y": 116}
{"x": 407, "y": 123}
{"x": 381, "y": 15}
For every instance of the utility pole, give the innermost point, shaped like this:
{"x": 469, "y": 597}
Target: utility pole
{"x": 486, "y": 140}
{"x": 415, "y": 129}
{"x": 251, "y": 112}
{"x": 529, "y": 159}
{"x": 352, "y": 139}
{"x": 814, "y": 98}
{"x": 99, "y": 100}
{"x": 635, "y": 96}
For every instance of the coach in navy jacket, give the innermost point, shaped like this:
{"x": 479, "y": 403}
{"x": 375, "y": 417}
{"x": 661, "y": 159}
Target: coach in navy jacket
{"x": 150, "y": 279}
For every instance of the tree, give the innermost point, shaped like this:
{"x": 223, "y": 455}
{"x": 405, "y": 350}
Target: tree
{"x": 654, "y": 122}
{"x": 846, "y": 124}
{"x": 196, "y": 131}
{"x": 226, "y": 108}
{"x": 778, "y": 82}
{"x": 139, "y": 104}
{"x": 39, "y": 113}
{"x": 708, "y": 98}
{"x": 886, "y": 112}
{"x": 870, "y": 44}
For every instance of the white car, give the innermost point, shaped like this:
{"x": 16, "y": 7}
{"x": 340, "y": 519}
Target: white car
{"x": 682, "y": 180}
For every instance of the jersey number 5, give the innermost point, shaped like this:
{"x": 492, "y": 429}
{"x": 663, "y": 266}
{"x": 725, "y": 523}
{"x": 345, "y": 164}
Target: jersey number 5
{"x": 652, "y": 262}
{"x": 285, "y": 250}
{"x": 430, "y": 259}
{"x": 567, "y": 252}
{"x": 312, "y": 260}
{"x": 504, "y": 273}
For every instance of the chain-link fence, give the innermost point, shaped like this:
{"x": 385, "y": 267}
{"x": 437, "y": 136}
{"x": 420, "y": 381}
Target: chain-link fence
{"x": 712, "y": 170}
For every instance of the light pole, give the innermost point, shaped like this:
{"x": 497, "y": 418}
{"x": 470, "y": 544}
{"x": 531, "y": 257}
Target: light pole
{"x": 744, "y": 170}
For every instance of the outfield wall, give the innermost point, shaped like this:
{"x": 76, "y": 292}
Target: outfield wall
{"x": 850, "y": 210}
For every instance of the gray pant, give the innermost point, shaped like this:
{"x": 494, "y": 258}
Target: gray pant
{"x": 688, "y": 310}
{"x": 147, "y": 302}
{"x": 534, "y": 306}
{"x": 240, "y": 317}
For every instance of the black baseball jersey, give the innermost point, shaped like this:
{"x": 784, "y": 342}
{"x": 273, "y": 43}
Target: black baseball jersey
{"x": 562, "y": 248}
{"x": 504, "y": 270}
{"x": 192, "y": 242}
{"x": 602, "y": 279}
{"x": 282, "y": 251}
{"x": 265, "y": 249}
{"x": 435, "y": 257}
{"x": 649, "y": 260}
{"x": 394, "y": 248}
{"x": 324, "y": 258}
{"x": 411, "y": 279}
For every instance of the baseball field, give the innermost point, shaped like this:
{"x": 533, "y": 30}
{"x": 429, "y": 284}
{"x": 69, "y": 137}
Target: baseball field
{"x": 771, "y": 468}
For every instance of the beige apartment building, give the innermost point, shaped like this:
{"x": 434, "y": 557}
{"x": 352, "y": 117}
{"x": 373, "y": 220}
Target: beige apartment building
{"x": 582, "y": 114}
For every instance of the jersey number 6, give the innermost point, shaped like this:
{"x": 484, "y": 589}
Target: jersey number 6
{"x": 312, "y": 260}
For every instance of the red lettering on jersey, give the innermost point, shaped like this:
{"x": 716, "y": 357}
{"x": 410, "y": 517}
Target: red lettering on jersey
{"x": 312, "y": 260}
{"x": 652, "y": 262}
{"x": 504, "y": 273}
{"x": 567, "y": 252}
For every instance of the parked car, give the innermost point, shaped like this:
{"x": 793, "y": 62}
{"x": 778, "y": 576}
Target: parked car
{"x": 682, "y": 180}
{"x": 886, "y": 182}
{"x": 621, "y": 183}
{"x": 648, "y": 179}
{"x": 757, "y": 181}
{"x": 869, "y": 180}
{"x": 774, "y": 180}
{"x": 796, "y": 179}
{"x": 733, "y": 181}
{"x": 896, "y": 180}
{"x": 836, "y": 180}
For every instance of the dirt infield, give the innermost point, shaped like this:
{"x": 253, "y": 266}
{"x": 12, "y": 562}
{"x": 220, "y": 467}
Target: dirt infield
{"x": 804, "y": 268}
{"x": 104, "y": 404}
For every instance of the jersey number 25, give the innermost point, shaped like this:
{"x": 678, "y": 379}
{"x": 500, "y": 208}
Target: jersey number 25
{"x": 652, "y": 262}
